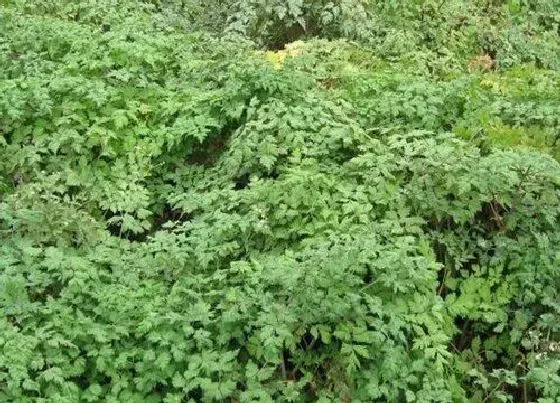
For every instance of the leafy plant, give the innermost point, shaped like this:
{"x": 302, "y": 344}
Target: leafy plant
{"x": 186, "y": 217}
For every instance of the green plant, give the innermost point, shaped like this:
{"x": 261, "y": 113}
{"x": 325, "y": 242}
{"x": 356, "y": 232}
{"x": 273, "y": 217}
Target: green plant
{"x": 186, "y": 218}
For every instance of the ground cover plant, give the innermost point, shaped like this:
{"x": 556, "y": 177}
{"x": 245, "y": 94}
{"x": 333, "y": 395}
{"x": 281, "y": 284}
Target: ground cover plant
{"x": 279, "y": 201}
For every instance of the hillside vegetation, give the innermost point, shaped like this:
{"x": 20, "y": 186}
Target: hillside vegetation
{"x": 292, "y": 201}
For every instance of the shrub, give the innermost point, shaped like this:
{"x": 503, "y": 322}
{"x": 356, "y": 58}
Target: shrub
{"x": 185, "y": 218}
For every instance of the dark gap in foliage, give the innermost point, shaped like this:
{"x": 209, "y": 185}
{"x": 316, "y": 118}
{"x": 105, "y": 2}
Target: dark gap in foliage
{"x": 136, "y": 236}
{"x": 242, "y": 182}
{"x": 273, "y": 174}
{"x": 160, "y": 388}
{"x": 195, "y": 395}
{"x": 51, "y": 291}
{"x": 12, "y": 319}
{"x": 287, "y": 367}
{"x": 442, "y": 257}
{"x": 345, "y": 154}
{"x": 97, "y": 155}
{"x": 83, "y": 381}
{"x": 368, "y": 277}
{"x": 208, "y": 151}
{"x": 290, "y": 34}
{"x": 556, "y": 138}
{"x": 466, "y": 334}
{"x": 116, "y": 230}
{"x": 169, "y": 213}
{"x": 492, "y": 216}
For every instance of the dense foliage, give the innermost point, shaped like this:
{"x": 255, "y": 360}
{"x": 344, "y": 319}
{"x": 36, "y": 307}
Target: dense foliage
{"x": 188, "y": 213}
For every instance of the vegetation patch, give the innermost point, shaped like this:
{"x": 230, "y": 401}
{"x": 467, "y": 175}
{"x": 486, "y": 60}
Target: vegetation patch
{"x": 279, "y": 201}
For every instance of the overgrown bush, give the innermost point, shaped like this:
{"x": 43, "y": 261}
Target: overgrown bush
{"x": 184, "y": 217}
